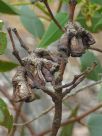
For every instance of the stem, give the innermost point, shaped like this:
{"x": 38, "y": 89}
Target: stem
{"x": 57, "y": 117}
{"x": 52, "y": 16}
{"x": 60, "y": 5}
{"x": 39, "y": 6}
{"x": 40, "y": 115}
{"x": 58, "y": 102}
{"x": 20, "y": 40}
{"x": 80, "y": 79}
{"x": 15, "y": 52}
{"x": 16, "y": 119}
{"x": 73, "y": 86}
{"x": 76, "y": 77}
{"x": 82, "y": 116}
{"x": 95, "y": 49}
{"x": 82, "y": 88}
{"x": 72, "y": 5}
{"x": 23, "y": 116}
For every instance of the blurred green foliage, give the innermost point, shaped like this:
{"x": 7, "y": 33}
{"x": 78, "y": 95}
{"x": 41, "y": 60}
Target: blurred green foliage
{"x": 95, "y": 124}
{"x": 68, "y": 129}
{"x": 6, "y": 119}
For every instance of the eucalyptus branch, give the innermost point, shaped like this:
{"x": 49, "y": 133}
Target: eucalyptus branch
{"x": 52, "y": 16}
{"x": 72, "y": 5}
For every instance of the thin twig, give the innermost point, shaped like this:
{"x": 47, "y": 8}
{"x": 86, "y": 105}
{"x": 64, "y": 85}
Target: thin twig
{"x": 73, "y": 86}
{"x": 52, "y": 16}
{"x": 78, "y": 118}
{"x": 96, "y": 49}
{"x": 16, "y": 119}
{"x": 23, "y": 116}
{"x": 75, "y": 119}
{"x": 59, "y": 5}
{"x": 83, "y": 88}
{"x": 42, "y": 114}
{"x": 72, "y": 5}
{"x": 20, "y": 40}
{"x": 15, "y": 52}
{"x": 80, "y": 79}
{"x": 76, "y": 77}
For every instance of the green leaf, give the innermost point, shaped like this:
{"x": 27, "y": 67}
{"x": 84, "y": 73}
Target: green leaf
{"x": 68, "y": 129}
{"x": 98, "y": 25}
{"x": 7, "y": 8}
{"x": 86, "y": 60}
{"x": 6, "y": 66}
{"x": 53, "y": 32}
{"x": 97, "y": 1}
{"x": 6, "y": 119}
{"x": 95, "y": 125}
{"x": 99, "y": 96}
{"x": 3, "y": 42}
{"x": 67, "y": 1}
{"x": 31, "y": 22}
{"x": 95, "y": 27}
{"x": 2, "y": 117}
{"x": 1, "y": 24}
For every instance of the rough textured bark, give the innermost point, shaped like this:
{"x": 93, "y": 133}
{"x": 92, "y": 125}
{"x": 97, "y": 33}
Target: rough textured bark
{"x": 58, "y": 115}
